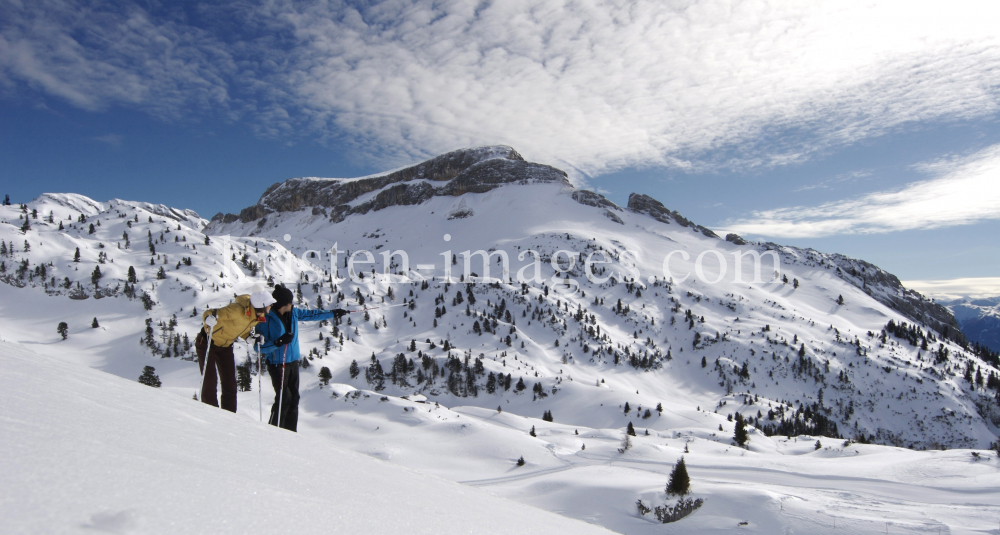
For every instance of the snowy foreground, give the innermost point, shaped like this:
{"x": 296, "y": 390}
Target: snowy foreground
{"x": 89, "y": 451}
{"x": 97, "y": 453}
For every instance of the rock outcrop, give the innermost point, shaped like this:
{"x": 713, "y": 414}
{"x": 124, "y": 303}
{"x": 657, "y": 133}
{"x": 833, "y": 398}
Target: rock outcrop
{"x": 644, "y": 204}
{"x": 463, "y": 171}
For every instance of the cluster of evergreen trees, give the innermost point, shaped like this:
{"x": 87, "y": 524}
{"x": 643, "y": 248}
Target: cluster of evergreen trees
{"x": 461, "y": 377}
{"x": 805, "y": 421}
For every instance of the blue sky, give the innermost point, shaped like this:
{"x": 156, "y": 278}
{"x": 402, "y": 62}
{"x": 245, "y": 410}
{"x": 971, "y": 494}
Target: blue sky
{"x": 866, "y": 128}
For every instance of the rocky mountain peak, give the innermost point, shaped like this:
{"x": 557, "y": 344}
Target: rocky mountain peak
{"x": 472, "y": 170}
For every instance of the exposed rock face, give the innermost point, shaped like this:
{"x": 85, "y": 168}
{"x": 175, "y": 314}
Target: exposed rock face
{"x": 475, "y": 170}
{"x": 735, "y": 238}
{"x": 590, "y": 198}
{"x": 644, "y": 204}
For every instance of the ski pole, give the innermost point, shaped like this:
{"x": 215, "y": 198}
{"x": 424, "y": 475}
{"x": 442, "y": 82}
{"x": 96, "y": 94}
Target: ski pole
{"x": 260, "y": 394}
{"x": 375, "y": 308}
{"x": 211, "y": 320}
{"x": 281, "y": 392}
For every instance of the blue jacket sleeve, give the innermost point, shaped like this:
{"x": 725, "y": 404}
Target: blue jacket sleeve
{"x": 312, "y": 315}
{"x": 272, "y": 329}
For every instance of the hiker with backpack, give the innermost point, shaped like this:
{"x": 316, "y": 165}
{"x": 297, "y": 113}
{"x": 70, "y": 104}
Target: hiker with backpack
{"x": 281, "y": 353}
{"x": 225, "y": 325}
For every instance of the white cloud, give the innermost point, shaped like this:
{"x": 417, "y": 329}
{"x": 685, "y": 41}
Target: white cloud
{"x": 103, "y": 54}
{"x": 589, "y": 85}
{"x": 600, "y": 85}
{"x": 955, "y": 288}
{"x": 964, "y": 190}
{"x": 113, "y": 140}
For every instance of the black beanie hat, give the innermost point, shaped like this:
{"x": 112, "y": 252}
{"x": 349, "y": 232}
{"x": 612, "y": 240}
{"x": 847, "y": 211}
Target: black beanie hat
{"x": 282, "y": 296}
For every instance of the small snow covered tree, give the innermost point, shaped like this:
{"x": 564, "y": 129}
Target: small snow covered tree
{"x": 547, "y": 416}
{"x": 630, "y": 430}
{"x": 131, "y": 278}
{"x": 160, "y": 274}
{"x": 520, "y": 462}
{"x": 354, "y": 370}
{"x": 76, "y": 255}
{"x": 95, "y": 277}
{"x": 94, "y": 324}
{"x": 840, "y": 299}
{"x": 627, "y": 408}
{"x": 149, "y": 377}
{"x": 626, "y": 444}
{"x": 680, "y": 482}
{"x": 63, "y": 329}
{"x": 532, "y": 432}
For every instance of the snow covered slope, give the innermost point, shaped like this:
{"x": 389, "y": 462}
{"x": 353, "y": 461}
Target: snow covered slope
{"x": 830, "y": 347}
{"x": 103, "y": 454}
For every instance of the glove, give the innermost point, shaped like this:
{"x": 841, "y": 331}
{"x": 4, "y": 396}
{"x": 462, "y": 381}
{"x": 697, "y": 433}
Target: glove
{"x": 283, "y": 339}
{"x": 339, "y": 312}
{"x": 211, "y": 321}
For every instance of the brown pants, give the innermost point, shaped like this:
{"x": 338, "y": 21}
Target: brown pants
{"x": 220, "y": 358}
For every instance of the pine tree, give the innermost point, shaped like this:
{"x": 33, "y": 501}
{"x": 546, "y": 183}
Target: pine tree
{"x": 627, "y": 408}
{"x": 325, "y": 375}
{"x": 63, "y": 329}
{"x": 520, "y": 462}
{"x": 354, "y": 370}
{"x": 131, "y": 275}
{"x": 92, "y": 229}
{"x": 840, "y": 299}
{"x": 740, "y": 435}
{"x": 244, "y": 382}
{"x": 76, "y": 255}
{"x": 630, "y": 430}
{"x": 95, "y": 277}
{"x": 94, "y": 324}
{"x": 149, "y": 377}
{"x": 680, "y": 482}
{"x": 161, "y": 275}
{"x": 532, "y": 432}
{"x": 547, "y": 416}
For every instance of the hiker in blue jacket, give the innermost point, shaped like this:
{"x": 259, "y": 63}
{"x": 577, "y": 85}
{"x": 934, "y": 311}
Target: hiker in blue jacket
{"x": 281, "y": 348}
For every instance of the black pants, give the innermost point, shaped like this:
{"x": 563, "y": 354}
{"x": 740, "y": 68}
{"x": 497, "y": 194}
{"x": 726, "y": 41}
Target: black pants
{"x": 289, "y": 399}
{"x": 220, "y": 358}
